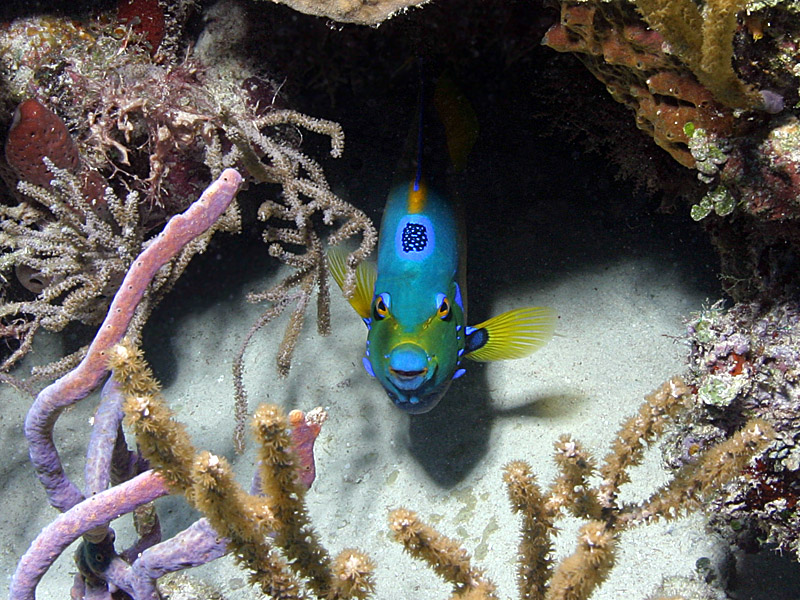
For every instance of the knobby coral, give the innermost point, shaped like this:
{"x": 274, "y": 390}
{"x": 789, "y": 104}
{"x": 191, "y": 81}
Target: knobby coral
{"x": 576, "y": 577}
{"x": 703, "y": 39}
{"x": 629, "y": 58}
{"x": 364, "y": 12}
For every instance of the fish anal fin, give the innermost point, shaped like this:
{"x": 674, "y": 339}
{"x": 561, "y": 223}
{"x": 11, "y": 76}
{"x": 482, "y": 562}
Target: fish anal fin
{"x": 513, "y": 334}
{"x": 361, "y": 300}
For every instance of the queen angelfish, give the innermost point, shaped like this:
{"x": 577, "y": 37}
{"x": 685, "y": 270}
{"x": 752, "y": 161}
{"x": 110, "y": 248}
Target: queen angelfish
{"x": 414, "y": 303}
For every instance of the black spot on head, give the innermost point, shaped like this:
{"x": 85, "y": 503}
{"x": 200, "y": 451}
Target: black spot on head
{"x": 414, "y": 238}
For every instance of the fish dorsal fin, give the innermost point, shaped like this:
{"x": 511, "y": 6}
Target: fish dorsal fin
{"x": 513, "y": 334}
{"x": 361, "y": 300}
{"x": 458, "y": 118}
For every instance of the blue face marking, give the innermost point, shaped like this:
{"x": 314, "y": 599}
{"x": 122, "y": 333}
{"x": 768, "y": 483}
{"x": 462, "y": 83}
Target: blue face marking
{"x": 458, "y": 301}
{"x": 414, "y": 238}
{"x": 367, "y": 366}
{"x": 459, "y": 373}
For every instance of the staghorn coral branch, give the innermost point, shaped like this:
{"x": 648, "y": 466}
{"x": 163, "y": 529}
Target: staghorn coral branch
{"x": 636, "y": 433}
{"x": 445, "y": 556}
{"x": 697, "y": 481}
{"x": 51, "y": 401}
{"x": 534, "y": 566}
{"x": 248, "y": 522}
{"x": 353, "y": 578}
{"x": 577, "y": 576}
{"x": 281, "y": 473}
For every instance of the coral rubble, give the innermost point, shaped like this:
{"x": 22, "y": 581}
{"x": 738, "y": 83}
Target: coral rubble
{"x": 364, "y": 12}
{"x": 745, "y": 364}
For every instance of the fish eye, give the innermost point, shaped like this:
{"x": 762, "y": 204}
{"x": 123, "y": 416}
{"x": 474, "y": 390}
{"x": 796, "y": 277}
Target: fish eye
{"x": 443, "y": 306}
{"x": 381, "y": 309}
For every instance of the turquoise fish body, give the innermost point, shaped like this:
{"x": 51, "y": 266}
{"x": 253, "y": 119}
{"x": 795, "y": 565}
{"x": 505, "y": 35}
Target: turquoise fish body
{"x": 414, "y": 304}
{"x": 417, "y": 335}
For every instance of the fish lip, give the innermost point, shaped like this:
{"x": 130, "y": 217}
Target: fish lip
{"x": 412, "y": 392}
{"x": 409, "y": 382}
{"x": 417, "y": 401}
{"x": 408, "y": 375}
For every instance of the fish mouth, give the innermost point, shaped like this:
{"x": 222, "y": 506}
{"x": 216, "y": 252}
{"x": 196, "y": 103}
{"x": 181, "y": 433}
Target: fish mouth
{"x": 408, "y": 375}
{"x": 408, "y": 381}
{"x": 409, "y": 367}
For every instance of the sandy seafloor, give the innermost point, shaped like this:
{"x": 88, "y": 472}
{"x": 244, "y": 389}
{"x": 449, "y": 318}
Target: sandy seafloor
{"x": 623, "y": 283}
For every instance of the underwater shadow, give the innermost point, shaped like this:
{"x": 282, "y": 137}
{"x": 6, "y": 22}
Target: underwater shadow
{"x": 449, "y": 441}
{"x": 766, "y": 575}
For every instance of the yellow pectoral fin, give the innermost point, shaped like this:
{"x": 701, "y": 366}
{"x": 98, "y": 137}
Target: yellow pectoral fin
{"x": 513, "y": 334}
{"x": 361, "y": 300}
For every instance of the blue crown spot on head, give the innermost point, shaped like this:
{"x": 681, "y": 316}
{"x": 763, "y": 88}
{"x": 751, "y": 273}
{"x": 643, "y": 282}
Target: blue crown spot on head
{"x": 414, "y": 238}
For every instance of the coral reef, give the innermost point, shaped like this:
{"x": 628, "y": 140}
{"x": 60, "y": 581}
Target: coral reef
{"x": 73, "y": 260}
{"x": 124, "y": 120}
{"x": 704, "y": 42}
{"x": 306, "y": 194}
{"x": 252, "y": 526}
{"x": 744, "y": 363}
{"x": 763, "y": 172}
{"x": 246, "y": 521}
{"x": 710, "y": 83}
{"x": 576, "y": 577}
{"x": 628, "y": 57}
{"x": 363, "y": 12}
{"x": 130, "y": 123}
{"x": 108, "y": 460}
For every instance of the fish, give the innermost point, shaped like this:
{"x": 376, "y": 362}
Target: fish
{"x": 413, "y": 301}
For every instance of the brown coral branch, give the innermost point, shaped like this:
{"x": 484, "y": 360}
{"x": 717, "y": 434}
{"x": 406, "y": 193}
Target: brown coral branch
{"x": 353, "y": 575}
{"x": 445, "y": 556}
{"x": 247, "y": 521}
{"x": 534, "y": 566}
{"x": 698, "y": 481}
{"x": 279, "y": 470}
{"x": 578, "y": 575}
{"x": 305, "y": 193}
{"x": 637, "y": 433}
